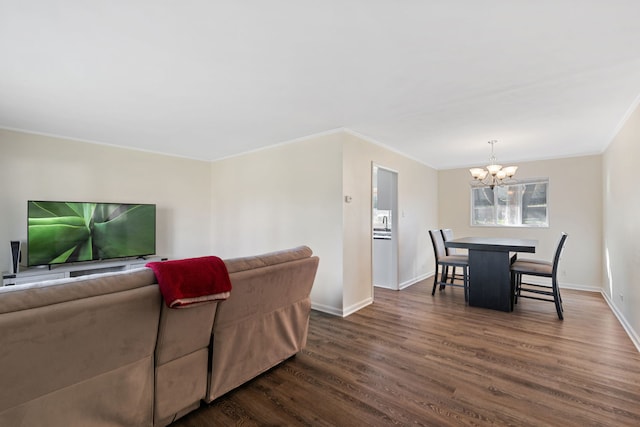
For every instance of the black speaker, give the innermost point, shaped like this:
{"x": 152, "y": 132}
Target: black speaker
{"x": 15, "y": 256}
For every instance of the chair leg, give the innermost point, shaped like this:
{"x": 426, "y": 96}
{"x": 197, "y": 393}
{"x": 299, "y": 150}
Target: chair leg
{"x": 443, "y": 279}
{"x": 453, "y": 274}
{"x": 435, "y": 281}
{"x": 445, "y": 274}
{"x": 557, "y": 299}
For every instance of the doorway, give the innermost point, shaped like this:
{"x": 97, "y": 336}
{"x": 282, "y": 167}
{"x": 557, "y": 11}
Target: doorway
{"x": 384, "y": 230}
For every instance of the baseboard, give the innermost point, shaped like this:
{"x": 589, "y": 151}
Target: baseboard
{"x": 355, "y": 307}
{"x": 385, "y": 287}
{"x": 415, "y": 280}
{"x": 563, "y": 285}
{"x": 575, "y": 287}
{"x": 344, "y": 312}
{"x": 368, "y": 301}
{"x": 628, "y": 329}
{"x": 326, "y": 309}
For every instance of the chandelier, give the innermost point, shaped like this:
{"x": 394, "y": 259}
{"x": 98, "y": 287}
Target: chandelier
{"x": 493, "y": 174}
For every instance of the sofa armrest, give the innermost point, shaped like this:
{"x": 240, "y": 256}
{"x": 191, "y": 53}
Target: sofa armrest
{"x": 264, "y": 321}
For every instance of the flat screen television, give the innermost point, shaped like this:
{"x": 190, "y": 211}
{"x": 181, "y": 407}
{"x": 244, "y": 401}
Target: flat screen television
{"x": 64, "y": 232}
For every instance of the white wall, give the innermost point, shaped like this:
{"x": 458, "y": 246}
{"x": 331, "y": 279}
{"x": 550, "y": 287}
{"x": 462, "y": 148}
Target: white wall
{"x": 575, "y": 207}
{"x": 283, "y": 197}
{"x": 622, "y": 225}
{"x": 417, "y": 213}
{"x": 46, "y": 168}
{"x": 294, "y": 194}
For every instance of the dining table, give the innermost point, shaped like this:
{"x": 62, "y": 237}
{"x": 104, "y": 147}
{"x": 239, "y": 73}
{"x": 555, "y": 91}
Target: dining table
{"x": 490, "y": 261}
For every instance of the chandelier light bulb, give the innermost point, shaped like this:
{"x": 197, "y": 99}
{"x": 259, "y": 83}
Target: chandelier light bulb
{"x": 493, "y": 174}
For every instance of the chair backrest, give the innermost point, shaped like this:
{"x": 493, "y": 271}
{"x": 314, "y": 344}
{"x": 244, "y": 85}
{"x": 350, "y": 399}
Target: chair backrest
{"x": 438, "y": 243}
{"x": 559, "y": 248}
{"x": 447, "y": 234}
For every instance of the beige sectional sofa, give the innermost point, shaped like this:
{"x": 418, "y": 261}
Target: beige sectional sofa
{"x": 104, "y": 350}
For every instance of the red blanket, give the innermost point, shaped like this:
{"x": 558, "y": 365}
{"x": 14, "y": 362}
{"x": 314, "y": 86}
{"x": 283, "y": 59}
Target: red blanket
{"x": 193, "y": 280}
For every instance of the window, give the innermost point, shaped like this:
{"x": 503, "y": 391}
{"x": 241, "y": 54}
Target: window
{"x": 516, "y": 205}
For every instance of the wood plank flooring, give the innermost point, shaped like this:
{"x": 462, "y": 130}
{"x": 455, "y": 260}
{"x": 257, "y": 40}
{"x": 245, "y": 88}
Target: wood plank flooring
{"x": 414, "y": 359}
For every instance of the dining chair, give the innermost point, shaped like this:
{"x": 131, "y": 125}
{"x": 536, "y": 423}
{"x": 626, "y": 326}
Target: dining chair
{"x": 447, "y": 234}
{"x": 444, "y": 261}
{"x": 539, "y": 268}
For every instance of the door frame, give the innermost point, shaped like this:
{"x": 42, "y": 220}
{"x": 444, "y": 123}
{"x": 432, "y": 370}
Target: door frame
{"x": 394, "y": 223}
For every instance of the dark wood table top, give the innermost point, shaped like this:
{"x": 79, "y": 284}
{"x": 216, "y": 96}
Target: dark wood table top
{"x": 493, "y": 244}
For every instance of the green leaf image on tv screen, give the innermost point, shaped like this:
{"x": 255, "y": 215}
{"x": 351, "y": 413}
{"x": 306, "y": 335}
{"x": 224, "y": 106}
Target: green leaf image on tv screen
{"x": 67, "y": 232}
{"x": 124, "y": 232}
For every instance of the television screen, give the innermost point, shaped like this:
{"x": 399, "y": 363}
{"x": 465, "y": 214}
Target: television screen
{"x": 60, "y": 232}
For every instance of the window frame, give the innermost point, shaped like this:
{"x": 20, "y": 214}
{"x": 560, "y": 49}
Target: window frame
{"x": 517, "y": 183}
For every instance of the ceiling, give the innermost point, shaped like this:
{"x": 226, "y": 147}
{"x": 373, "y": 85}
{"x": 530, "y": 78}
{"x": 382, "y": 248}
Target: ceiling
{"x": 431, "y": 79}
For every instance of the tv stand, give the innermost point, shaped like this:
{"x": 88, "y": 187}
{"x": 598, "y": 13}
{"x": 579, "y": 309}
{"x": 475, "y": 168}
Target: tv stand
{"x": 61, "y": 271}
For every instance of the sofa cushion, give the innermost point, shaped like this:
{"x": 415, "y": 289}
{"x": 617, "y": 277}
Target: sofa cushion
{"x": 32, "y": 295}
{"x": 235, "y": 265}
{"x": 79, "y": 351}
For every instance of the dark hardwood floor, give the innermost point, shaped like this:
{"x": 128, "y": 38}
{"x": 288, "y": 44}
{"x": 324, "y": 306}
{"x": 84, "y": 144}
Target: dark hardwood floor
{"x": 414, "y": 359}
